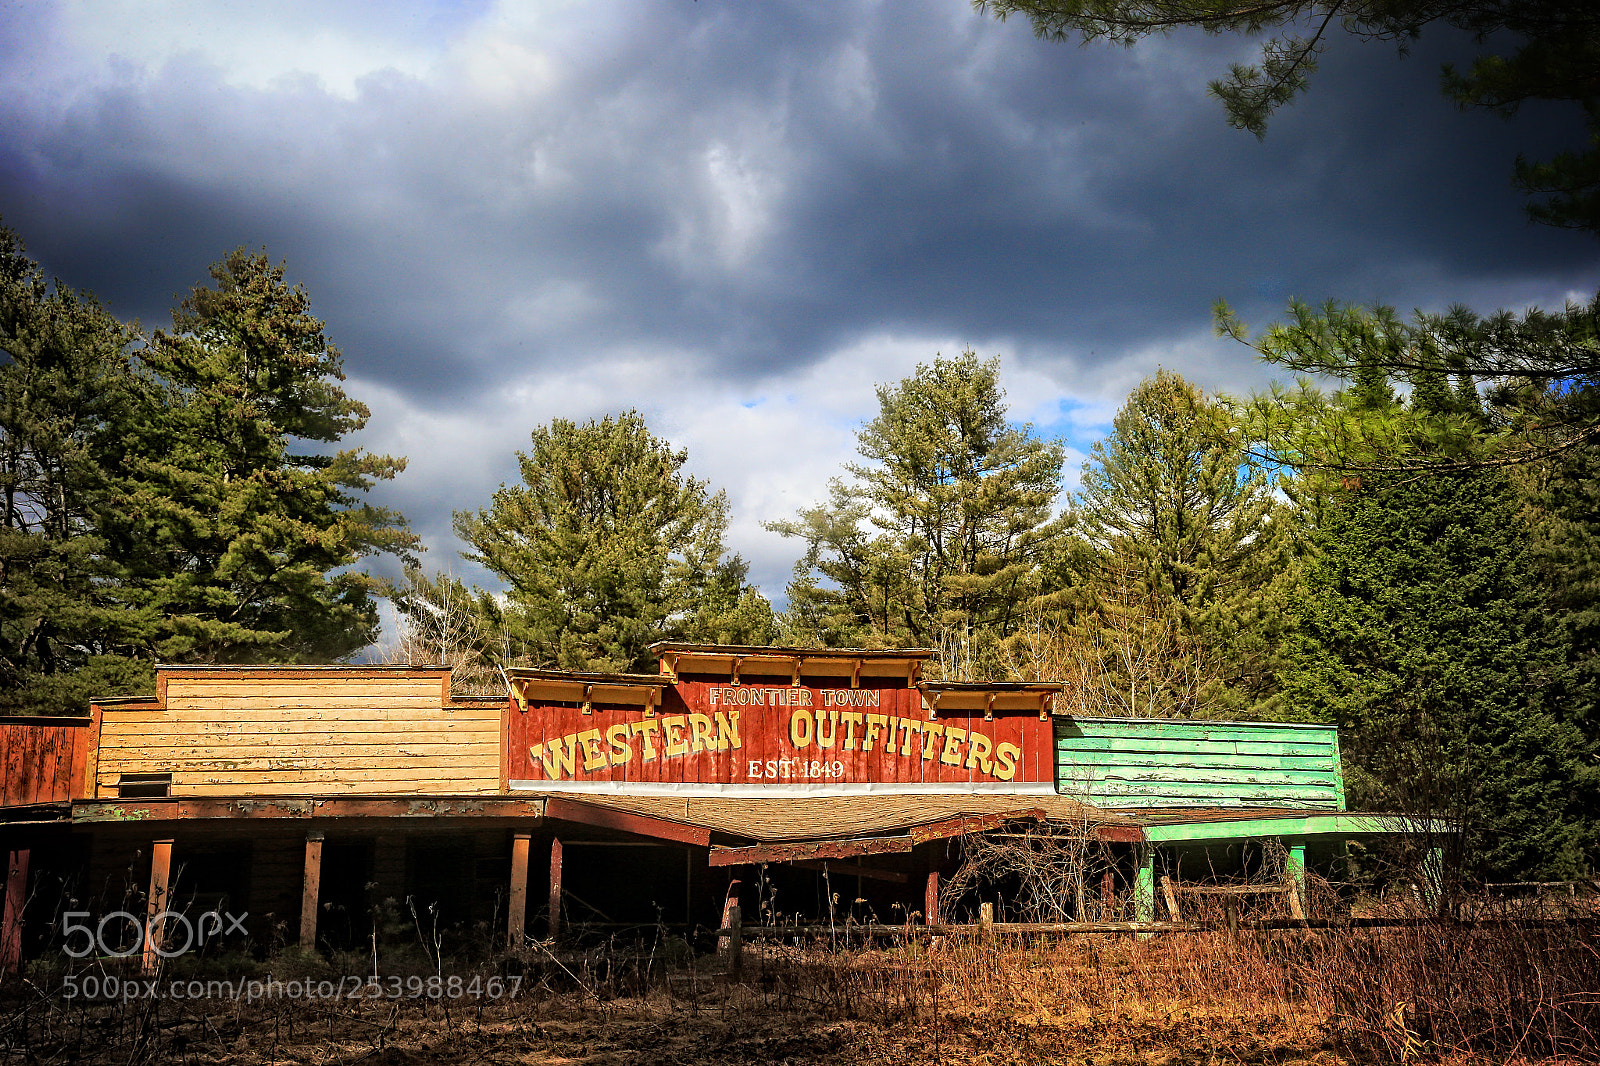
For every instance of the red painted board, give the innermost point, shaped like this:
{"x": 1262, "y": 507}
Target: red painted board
{"x": 774, "y": 733}
{"x": 37, "y": 756}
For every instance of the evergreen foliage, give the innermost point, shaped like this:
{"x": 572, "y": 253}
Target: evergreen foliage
{"x": 1187, "y": 562}
{"x": 245, "y": 534}
{"x": 1537, "y": 50}
{"x": 607, "y": 546}
{"x": 157, "y": 505}
{"x": 1541, "y": 372}
{"x": 67, "y": 390}
{"x": 938, "y": 535}
{"x": 1421, "y": 635}
{"x": 1561, "y": 497}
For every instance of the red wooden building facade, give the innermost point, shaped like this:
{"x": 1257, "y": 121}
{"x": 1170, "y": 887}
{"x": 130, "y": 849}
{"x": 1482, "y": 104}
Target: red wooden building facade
{"x": 318, "y": 800}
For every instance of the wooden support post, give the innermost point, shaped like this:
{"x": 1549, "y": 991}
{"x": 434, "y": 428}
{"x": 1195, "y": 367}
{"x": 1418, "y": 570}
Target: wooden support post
{"x": 160, "y": 884}
{"x": 1230, "y": 907}
{"x": 930, "y": 899}
{"x": 16, "y": 900}
{"x": 735, "y": 942}
{"x": 1144, "y": 884}
{"x": 730, "y": 904}
{"x": 1171, "y": 897}
{"x": 1296, "y": 864}
{"x": 1108, "y": 895}
{"x": 985, "y": 923}
{"x": 311, "y": 891}
{"x": 555, "y": 888}
{"x": 517, "y": 906}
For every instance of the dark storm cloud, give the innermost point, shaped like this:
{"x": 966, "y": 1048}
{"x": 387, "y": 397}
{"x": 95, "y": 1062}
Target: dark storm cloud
{"x": 913, "y": 166}
{"x": 507, "y": 213}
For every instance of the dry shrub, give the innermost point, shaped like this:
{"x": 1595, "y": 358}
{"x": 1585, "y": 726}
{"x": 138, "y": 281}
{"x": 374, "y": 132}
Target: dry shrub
{"x": 1523, "y": 987}
{"x": 1052, "y": 873}
{"x": 1502, "y": 989}
{"x": 1512, "y": 991}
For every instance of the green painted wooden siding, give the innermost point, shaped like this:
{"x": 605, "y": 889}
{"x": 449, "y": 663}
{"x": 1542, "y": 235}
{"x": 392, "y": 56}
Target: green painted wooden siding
{"x": 1162, "y": 762}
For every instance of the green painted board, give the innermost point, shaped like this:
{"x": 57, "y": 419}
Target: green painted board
{"x": 1221, "y": 776}
{"x": 1310, "y": 826}
{"x": 1145, "y": 762}
{"x": 1198, "y": 760}
{"x": 1172, "y": 746}
{"x": 1188, "y": 729}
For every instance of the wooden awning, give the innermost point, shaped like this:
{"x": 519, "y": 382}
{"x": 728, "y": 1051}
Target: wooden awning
{"x": 586, "y": 688}
{"x": 734, "y": 661}
{"x": 992, "y": 698}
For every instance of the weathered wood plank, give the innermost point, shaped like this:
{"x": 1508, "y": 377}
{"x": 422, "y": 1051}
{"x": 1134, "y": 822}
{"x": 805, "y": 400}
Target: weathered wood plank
{"x": 1201, "y": 789}
{"x": 1190, "y": 728}
{"x": 1120, "y": 745}
{"x": 359, "y": 745}
{"x": 444, "y": 758}
{"x": 310, "y": 894}
{"x": 1190, "y": 760}
{"x": 462, "y": 787}
{"x": 1177, "y": 763}
{"x": 332, "y": 701}
{"x": 422, "y": 749}
{"x": 199, "y": 811}
{"x": 180, "y": 690}
{"x": 354, "y": 771}
{"x": 437, "y": 735}
{"x": 37, "y": 758}
{"x": 335, "y": 717}
{"x": 288, "y": 710}
{"x": 1241, "y": 775}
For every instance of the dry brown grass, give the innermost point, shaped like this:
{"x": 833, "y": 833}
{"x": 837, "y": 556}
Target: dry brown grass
{"x": 1432, "y": 993}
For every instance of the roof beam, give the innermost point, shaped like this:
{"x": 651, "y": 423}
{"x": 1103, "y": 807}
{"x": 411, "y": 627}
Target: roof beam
{"x": 201, "y": 808}
{"x": 593, "y": 814}
{"x": 810, "y": 850}
{"x": 815, "y": 850}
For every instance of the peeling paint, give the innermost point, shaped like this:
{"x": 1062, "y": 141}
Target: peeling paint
{"x": 112, "y": 813}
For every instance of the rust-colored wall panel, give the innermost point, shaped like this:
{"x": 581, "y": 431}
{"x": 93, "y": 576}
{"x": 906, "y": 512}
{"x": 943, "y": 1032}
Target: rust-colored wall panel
{"x": 39, "y": 757}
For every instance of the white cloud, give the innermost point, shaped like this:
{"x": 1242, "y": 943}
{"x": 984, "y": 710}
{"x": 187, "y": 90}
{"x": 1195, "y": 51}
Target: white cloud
{"x": 253, "y": 44}
{"x": 773, "y": 444}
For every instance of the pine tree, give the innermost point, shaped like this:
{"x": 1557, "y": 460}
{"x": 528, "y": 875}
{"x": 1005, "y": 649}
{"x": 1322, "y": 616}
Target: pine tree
{"x": 1541, "y": 369}
{"x": 606, "y": 547}
{"x": 156, "y": 506}
{"x": 239, "y": 540}
{"x": 1187, "y": 560}
{"x": 962, "y": 503}
{"x": 1561, "y": 502}
{"x": 731, "y": 610}
{"x": 1422, "y": 636}
{"x": 67, "y": 387}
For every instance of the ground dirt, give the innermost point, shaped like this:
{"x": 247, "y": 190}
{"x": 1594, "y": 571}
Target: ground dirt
{"x": 733, "y": 1027}
{"x": 1101, "y": 1002}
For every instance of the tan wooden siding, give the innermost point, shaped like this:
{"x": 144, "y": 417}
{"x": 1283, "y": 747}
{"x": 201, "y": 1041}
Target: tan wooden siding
{"x": 269, "y": 734}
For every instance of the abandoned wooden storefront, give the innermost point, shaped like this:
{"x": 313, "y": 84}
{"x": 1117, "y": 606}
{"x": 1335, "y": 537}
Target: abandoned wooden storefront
{"x": 322, "y": 805}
